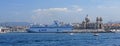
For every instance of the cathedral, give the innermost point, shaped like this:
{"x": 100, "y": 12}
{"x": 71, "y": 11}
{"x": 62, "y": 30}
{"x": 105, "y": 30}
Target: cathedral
{"x": 86, "y": 24}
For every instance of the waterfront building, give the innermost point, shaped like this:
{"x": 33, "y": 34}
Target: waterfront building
{"x": 88, "y": 26}
{"x": 99, "y": 23}
{"x": 4, "y": 30}
{"x": 112, "y": 27}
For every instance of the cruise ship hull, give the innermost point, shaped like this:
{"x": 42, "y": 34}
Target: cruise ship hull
{"x": 49, "y": 29}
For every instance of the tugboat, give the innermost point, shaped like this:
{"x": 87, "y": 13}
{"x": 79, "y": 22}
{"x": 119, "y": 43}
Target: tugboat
{"x": 57, "y": 27}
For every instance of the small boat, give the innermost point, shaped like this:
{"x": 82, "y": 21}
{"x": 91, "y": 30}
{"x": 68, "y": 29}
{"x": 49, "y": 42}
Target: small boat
{"x": 71, "y": 33}
{"x": 96, "y": 34}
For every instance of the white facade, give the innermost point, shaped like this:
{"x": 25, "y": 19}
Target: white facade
{"x": 4, "y": 30}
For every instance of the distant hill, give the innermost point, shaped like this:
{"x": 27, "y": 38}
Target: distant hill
{"x": 15, "y": 24}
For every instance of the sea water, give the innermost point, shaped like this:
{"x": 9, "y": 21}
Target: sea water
{"x": 59, "y": 39}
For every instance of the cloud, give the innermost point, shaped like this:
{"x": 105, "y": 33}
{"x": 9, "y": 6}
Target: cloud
{"x": 57, "y": 10}
{"x": 77, "y": 8}
{"x": 108, "y": 12}
{"x": 52, "y": 10}
{"x": 51, "y": 14}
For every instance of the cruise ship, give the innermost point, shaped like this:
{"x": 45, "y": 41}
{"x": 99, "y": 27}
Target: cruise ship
{"x": 57, "y": 27}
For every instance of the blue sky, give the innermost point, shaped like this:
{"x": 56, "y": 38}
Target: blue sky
{"x": 69, "y": 11}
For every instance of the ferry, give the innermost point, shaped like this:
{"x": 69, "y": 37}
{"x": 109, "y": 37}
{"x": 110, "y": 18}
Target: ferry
{"x": 57, "y": 27}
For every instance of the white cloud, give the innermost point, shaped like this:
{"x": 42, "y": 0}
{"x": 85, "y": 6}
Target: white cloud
{"x": 58, "y": 9}
{"x": 52, "y": 11}
{"x": 79, "y": 10}
{"x": 108, "y": 12}
{"x": 51, "y": 14}
{"x": 73, "y": 9}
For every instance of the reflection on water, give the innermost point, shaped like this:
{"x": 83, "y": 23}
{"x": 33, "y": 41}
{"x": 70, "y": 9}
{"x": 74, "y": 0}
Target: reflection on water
{"x": 59, "y": 39}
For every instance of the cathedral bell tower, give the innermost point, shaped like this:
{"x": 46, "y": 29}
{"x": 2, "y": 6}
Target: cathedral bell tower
{"x": 99, "y": 23}
{"x": 87, "y": 21}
